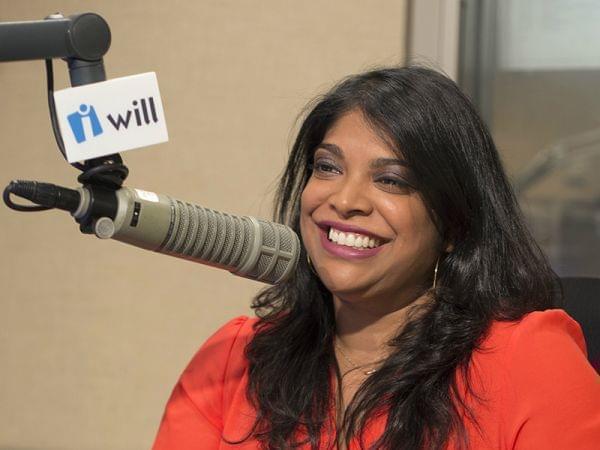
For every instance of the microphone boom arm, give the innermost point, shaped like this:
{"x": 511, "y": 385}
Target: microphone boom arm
{"x": 81, "y": 39}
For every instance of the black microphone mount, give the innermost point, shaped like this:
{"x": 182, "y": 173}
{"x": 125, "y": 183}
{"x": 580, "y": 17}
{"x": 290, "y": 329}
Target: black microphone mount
{"x": 81, "y": 40}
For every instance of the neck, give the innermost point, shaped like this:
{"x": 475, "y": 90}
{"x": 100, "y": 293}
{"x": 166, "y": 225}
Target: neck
{"x": 366, "y": 327}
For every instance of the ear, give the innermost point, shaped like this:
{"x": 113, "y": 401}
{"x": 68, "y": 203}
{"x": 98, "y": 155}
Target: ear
{"x": 449, "y": 247}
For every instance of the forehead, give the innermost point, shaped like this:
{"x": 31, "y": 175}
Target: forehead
{"x": 353, "y": 136}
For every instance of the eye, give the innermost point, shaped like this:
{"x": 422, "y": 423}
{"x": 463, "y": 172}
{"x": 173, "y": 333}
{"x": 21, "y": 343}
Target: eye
{"x": 393, "y": 183}
{"x": 324, "y": 167}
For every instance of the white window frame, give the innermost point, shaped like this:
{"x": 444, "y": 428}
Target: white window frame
{"x": 433, "y": 36}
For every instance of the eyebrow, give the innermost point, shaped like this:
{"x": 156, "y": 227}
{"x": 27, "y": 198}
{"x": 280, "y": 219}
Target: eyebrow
{"x": 375, "y": 164}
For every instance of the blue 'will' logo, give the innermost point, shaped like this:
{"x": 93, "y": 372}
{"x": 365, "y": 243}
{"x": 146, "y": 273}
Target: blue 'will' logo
{"x": 144, "y": 113}
{"x": 76, "y": 119}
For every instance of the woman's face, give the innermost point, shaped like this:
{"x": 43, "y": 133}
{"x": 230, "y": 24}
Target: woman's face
{"x": 369, "y": 236}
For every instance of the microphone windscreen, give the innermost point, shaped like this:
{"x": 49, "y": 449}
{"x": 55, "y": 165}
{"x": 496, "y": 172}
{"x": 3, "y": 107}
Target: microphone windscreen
{"x": 249, "y": 247}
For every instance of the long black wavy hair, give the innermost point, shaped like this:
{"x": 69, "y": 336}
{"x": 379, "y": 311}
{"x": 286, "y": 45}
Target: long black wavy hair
{"x": 495, "y": 272}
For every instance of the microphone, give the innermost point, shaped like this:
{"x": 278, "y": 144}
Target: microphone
{"x": 246, "y": 246}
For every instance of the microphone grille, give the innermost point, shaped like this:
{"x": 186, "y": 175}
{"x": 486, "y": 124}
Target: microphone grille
{"x": 254, "y": 248}
{"x": 203, "y": 234}
{"x": 279, "y": 253}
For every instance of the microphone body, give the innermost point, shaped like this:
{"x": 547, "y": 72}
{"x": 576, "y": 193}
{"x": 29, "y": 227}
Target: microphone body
{"x": 246, "y": 246}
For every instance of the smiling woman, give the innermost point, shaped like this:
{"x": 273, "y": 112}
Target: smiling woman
{"x": 422, "y": 314}
{"x": 358, "y": 193}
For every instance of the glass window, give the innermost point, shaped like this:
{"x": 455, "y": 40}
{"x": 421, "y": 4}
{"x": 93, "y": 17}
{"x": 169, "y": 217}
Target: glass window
{"x": 533, "y": 69}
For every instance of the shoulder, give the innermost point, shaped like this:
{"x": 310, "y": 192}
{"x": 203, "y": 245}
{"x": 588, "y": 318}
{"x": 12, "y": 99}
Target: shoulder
{"x": 544, "y": 387}
{"x": 546, "y": 354}
{"x": 540, "y": 345}
{"x": 539, "y": 328}
{"x": 548, "y": 339}
{"x": 531, "y": 334}
{"x": 225, "y": 342}
{"x": 219, "y": 365}
{"x": 195, "y": 413}
{"x": 222, "y": 350}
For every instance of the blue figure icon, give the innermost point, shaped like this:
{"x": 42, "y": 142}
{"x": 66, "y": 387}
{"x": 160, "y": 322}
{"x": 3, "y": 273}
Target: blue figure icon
{"x": 76, "y": 122}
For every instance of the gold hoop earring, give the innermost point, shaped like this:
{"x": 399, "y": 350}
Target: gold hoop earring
{"x": 435, "y": 271}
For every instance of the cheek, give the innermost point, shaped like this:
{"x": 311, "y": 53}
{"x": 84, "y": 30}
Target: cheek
{"x": 412, "y": 225}
{"x": 313, "y": 198}
{"x": 308, "y": 204}
{"x": 310, "y": 198}
{"x": 304, "y": 209}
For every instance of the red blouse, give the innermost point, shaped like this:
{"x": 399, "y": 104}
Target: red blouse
{"x": 542, "y": 392}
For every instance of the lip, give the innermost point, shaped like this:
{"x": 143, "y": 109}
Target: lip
{"x": 345, "y": 252}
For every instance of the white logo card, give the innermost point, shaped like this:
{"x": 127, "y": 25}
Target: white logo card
{"x": 111, "y": 116}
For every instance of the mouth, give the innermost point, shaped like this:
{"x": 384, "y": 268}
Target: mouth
{"x": 350, "y": 237}
{"x": 353, "y": 240}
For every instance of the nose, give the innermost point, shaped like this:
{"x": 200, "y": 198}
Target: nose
{"x": 351, "y": 198}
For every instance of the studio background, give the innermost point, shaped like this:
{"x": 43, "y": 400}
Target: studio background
{"x": 93, "y": 334}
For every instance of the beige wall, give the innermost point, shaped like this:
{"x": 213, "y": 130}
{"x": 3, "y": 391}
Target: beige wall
{"x": 93, "y": 334}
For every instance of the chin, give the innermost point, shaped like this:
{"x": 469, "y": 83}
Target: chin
{"x": 345, "y": 287}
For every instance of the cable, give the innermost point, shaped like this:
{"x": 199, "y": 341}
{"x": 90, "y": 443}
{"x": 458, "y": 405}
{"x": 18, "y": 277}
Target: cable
{"x": 108, "y": 171}
{"x": 23, "y": 208}
{"x": 110, "y": 175}
{"x": 52, "y": 109}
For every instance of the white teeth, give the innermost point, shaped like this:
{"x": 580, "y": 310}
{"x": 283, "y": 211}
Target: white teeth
{"x": 352, "y": 239}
